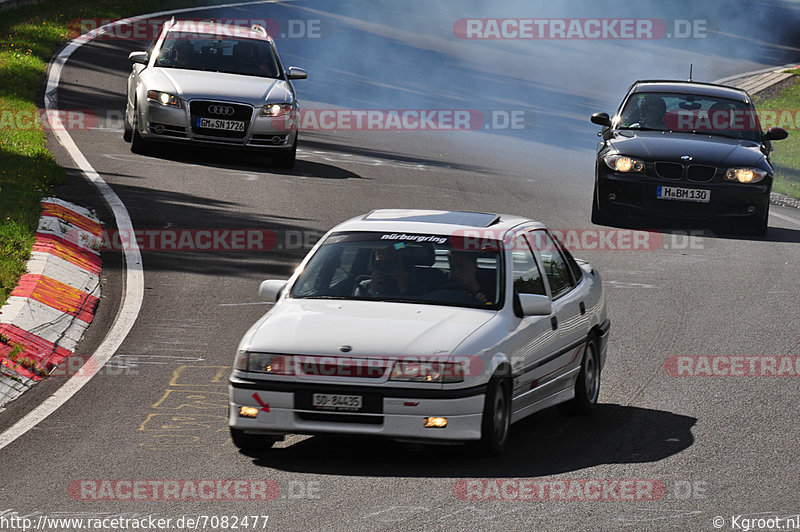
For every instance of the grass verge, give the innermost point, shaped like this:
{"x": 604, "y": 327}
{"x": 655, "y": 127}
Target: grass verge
{"x": 28, "y": 171}
{"x": 783, "y": 111}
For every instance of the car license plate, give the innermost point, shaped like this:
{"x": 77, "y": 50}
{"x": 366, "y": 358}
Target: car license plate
{"x": 218, "y": 123}
{"x": 329, "y": 401}
{"x": 684, "y": 194}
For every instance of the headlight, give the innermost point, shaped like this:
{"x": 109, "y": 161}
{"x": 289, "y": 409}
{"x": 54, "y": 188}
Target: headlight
{"x": 276, "y": 109}
{"x": 164, "y": 98}
{"x": 416, "y": 371}
{"x": 264, "y": 363}
{"x": 745, "y": 175}
{"x": 623, "y": 163}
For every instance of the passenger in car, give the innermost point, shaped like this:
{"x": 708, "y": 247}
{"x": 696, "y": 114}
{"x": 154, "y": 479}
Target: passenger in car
{"x": 464, "y": 274}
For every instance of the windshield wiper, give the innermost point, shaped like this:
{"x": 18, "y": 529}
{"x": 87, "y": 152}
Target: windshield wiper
{"x": 322, "y": 297}
{"x": 710, "y": 134}
{"x": 416, "y": 301}
{"x": 642, "y": 129}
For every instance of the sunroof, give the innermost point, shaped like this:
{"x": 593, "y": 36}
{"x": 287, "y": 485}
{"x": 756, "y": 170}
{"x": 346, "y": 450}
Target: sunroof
{"x": 472, "y": 219}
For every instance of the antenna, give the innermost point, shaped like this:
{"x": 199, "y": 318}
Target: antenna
{"x": 691, "y": 67}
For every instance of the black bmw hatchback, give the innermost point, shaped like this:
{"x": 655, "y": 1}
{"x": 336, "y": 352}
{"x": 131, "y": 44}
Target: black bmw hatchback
{"x": 684, "y": 150}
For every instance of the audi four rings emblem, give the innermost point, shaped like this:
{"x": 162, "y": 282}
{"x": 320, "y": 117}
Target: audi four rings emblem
{"x": 225, "y": 110}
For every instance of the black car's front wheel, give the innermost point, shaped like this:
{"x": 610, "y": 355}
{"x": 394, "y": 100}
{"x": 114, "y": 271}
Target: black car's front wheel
{"x": 760, "y": 225}
{"x": 601, "y": 216}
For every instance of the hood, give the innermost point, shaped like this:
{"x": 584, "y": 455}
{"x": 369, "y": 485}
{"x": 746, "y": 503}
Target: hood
{"x": 320, "y": 327}
{"x": 195, "y": 84}
{"x": 670, "y": 146}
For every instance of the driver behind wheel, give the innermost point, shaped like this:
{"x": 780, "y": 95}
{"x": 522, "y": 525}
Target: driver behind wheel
{"x": 647, "y": 113}
{"x": 390, "y": 276}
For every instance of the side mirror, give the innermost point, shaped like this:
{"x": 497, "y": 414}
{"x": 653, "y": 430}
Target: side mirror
{"x": 297, "y": 73}
{"x": 139, "y": 57}
{"x": 601, "y": 119}
{"x": 535, "y": 305}
{"x": 270, "y": 290}
{"x": 775, "y": 133}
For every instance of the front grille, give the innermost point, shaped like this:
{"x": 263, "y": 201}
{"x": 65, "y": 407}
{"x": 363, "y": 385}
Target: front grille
{"x": 669, "y": 170}
{"x": 341, "y": 418}
{"x": 220, "y": 140}
{"x": 209, "y": 109}
{"x": 341, "y": 366}
{"x": 699, "y": 172}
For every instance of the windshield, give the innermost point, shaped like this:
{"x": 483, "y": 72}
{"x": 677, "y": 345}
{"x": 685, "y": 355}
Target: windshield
{"x": 659, "y": 111}
{"x": 405, "y": 268}
{"x": 231, "y": 55}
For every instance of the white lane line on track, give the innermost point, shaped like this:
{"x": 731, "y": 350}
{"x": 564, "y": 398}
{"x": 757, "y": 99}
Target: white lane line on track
{"x": 784, "y": 217}
{"x": 133, "y": 292}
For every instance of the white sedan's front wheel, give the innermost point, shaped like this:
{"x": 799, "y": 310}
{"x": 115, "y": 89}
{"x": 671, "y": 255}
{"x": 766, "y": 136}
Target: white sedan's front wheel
{"x": 252, "y": 442}
{"x": 496, "y": 417}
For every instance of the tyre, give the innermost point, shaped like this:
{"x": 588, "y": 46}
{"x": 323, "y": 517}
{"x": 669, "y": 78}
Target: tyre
{"x": 496, "y": 417}
{"x": 600, "y": 217}
{"x": 759, "y": 227}
{"x": 286, "y": 160}
{"x": 252, "y": 442}
{"x": 127, "y": 132}
{"x": 587, "y": 385}
{"x": 138, "y": 144}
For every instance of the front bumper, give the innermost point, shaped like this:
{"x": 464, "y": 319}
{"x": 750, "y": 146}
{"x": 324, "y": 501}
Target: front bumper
{"x": 636, "y": 195}
{"x": 161, "y": 123}
{"x": 401, "y": 411}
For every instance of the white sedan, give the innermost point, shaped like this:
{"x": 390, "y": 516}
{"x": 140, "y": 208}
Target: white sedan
{"x": 422, "y": 326}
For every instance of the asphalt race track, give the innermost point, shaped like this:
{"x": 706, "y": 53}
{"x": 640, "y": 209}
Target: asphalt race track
{"x": 711, "y": 446}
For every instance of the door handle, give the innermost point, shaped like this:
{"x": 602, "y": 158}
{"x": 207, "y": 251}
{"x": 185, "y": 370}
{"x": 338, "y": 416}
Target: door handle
{"x": 583, "y": 308}
{"x": 554, "y": 322}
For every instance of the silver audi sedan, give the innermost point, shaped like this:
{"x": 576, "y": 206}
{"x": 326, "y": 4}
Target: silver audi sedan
{"x": 207, "y": 83}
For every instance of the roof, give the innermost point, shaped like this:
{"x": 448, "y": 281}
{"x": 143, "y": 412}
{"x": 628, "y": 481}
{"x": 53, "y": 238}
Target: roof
{"x": 433, "y": 221}
{"x": 691, "y": 87}
{"x": 213, "y": 28}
